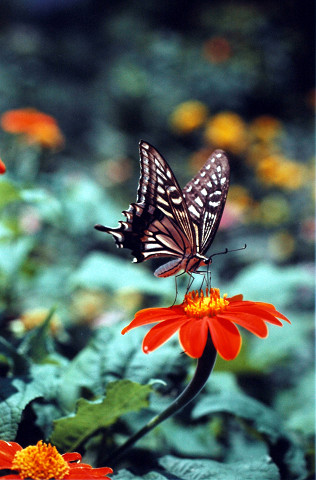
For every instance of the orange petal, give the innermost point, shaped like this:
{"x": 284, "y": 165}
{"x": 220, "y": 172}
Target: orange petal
{"x": 226, "y": 338}
{"x": 266, "y": 310}
{"x": 2, "y": 167}
{"x": 160, "y": 333}
{"x": 193, "y": 337}
{"x": 71, "y": 457}
{"x": 7, "y": 452}
{"x": 152, "y": 315}
{"x": 251, "y": 322}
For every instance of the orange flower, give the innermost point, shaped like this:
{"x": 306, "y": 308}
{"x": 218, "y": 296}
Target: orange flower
{"x": 42, "y": 461}
{"x": 217, "y": 49}
{"x": 200, "y": 315}
{"x": 37, "y": 127}
{"x": 2, "y": 167}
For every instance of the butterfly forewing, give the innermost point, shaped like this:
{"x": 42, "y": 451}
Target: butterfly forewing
{"x": 159, "y": 187}
{"x": 205, "y": 197}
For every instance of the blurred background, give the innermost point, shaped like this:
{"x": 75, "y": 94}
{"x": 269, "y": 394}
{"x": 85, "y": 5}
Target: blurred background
{"x": 188, "y": 77}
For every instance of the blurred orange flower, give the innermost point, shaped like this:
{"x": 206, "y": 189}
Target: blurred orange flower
{"x": 217, "y": 49}
{"x": 227, "y": 130}
{"x": 36, "y": 127}
{"x": 2, "y": 167}
{"x": 265, "y": 128}
{"x": 188, "y": 116}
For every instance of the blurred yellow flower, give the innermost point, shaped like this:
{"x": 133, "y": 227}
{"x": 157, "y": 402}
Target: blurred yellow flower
{"x": 239, "y": 195}
{"x": 188, "y": 116}
{"x": 281, "y": 245}
{"x": 36, "y": 127}
{"x": 88, "y": 305}
{"x": 239, "y": 205}
{"x": 265, "y": 128}
{"x": 33, "y": 318}
{"x": 227, "y": 130}
{"x": 279, "y": 171}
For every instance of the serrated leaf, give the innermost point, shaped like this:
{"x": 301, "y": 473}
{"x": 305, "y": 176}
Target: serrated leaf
{"x": 122, "y": 396}
{"x": 261, "y": 469}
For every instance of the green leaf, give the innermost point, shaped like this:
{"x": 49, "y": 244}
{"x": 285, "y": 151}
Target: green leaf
{"x": 14, "y": 253}
{"x": 126, "y": 475}
{"x": 15, "y": 395}
{"x": 8, "y": 193}
{"x": 266, "y": 282}
{"x": 297, "y": 404}
{"x": 263, "y": 419}
{"x": 19, "y": 363}
{"x": 122, "y": 396}
{"x": 86, "y": 369}
{"x": 261, "y": 469}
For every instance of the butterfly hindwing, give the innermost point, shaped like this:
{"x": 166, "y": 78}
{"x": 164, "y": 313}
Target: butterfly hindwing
{"x": 205, "y": 196}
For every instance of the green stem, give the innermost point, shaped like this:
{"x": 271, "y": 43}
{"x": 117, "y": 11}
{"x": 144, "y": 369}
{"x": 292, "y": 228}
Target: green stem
{"x": 203, "y": 370}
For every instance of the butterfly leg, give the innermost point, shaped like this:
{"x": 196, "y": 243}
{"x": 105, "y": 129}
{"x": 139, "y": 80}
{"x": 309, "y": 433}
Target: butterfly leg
{"x": 176, "y": 285}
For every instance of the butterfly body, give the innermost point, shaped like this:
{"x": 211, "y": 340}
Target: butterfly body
{"x": 166, "y": 221}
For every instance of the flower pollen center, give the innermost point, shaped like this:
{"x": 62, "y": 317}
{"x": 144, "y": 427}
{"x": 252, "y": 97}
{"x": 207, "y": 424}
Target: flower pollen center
{"x": 199, "y": 305}
{"x": 40, "y": 461}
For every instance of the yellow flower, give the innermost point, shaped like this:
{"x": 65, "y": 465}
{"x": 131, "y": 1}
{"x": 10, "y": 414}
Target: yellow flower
{"x": 265, "y": 128}
{"x": 227, "y": 130}
{"x": 188, "y": 116}
{"x": 282, "y": 172}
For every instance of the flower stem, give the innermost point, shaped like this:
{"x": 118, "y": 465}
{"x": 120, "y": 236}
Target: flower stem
{"x": 203, "y": 370}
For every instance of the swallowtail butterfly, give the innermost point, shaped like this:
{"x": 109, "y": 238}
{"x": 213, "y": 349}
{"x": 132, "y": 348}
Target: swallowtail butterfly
{"x": 166, "y": 221}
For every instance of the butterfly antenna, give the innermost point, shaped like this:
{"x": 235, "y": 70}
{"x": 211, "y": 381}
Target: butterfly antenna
{"x": 226, "y": 251}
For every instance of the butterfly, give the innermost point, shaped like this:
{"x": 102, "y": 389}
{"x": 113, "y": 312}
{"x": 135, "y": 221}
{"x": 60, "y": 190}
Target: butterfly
{"x": 166, "y": 221}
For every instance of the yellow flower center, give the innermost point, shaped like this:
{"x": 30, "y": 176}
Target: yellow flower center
{"x": 200, "y": 305}
{"x": 40, "y": 461}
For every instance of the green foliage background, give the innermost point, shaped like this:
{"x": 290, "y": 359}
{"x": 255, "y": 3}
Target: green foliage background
{"x": 111, "y": 75}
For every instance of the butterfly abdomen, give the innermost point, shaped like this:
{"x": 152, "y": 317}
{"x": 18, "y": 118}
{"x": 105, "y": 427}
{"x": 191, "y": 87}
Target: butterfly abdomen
{"x": 170, "y": 268}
